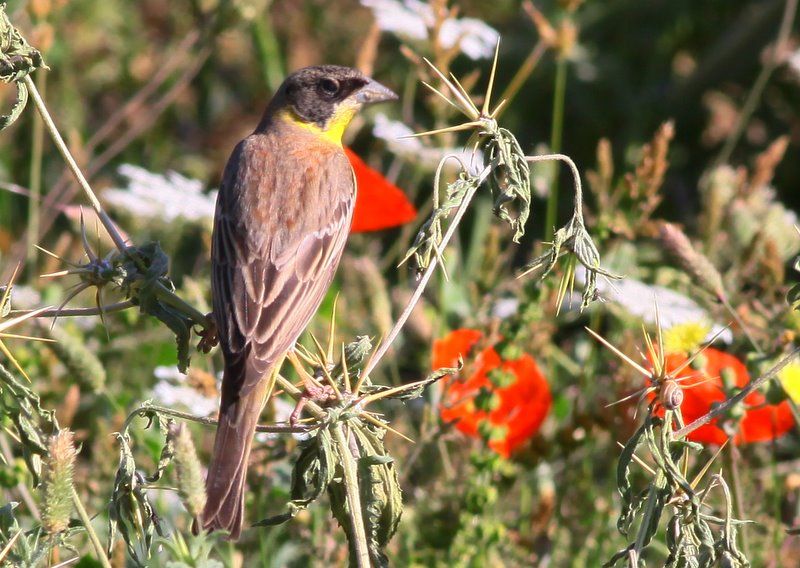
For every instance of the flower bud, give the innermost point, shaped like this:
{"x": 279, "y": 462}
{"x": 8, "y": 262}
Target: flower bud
{"x": 487, "y": 400}
{"x": 728, "y": 377}
{"x": 501, "y": 378}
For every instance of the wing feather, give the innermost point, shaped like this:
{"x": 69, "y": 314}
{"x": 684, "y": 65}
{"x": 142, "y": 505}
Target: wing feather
{"x": 280, "y": 228}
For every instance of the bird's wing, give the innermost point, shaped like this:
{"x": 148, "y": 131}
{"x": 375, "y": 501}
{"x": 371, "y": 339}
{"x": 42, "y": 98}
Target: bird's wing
{"x": 278, "y": 238}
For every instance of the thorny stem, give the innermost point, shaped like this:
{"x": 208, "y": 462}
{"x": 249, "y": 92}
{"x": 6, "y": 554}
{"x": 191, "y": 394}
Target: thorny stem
{"x": 175, "y": 301}
{"x": 209, "y": 421}
{"x": 35, "y": 181}
{"x": 62, "y": 191}
{"x": 73, "y": 166}
{"x": 167, "y": 296}
{"x": 164, "y": 294}
{"x": 740, "y": 396}
{"x": 760, "y": 83}
{"x": 353, "y": 498}
{"x": 389, "y": 339}
{"x": 578, "y": 200}
{"x": 412, "y": 302}
{"x": 87, "y": 524}
{"x": 555, "y": 143}
{"x": 738, "y": 495}
{"x": 118, "y": 307}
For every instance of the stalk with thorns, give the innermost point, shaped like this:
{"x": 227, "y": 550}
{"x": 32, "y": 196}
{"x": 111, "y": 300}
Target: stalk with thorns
{"x": 695, "y": 535}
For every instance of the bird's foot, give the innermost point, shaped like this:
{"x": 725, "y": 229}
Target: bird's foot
{"x": 319, "y": 394}
{"x": 208, "y": 335}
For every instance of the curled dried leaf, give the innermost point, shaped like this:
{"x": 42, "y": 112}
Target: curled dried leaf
{"x": 17, "y": 60}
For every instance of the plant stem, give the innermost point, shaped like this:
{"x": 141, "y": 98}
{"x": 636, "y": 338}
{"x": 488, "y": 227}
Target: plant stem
{"x": 741, "y": 395}
{"x": 412, "y": 302}
{"x": 74, "y": 312}
{"x": 164, "y": 294}
{"x": 754, "y": 96}
{"x": 268, "y": 50}
{"x": 35, "y": 181}
{"x": 208, "y": 421}
{"x": 522, "y": 74}
{"x": 172, "y": 299}
{"x": 353, "y": 497}
{"x": 738, "y": 496}
{"x": 576, "y": 177}
{"x": 73, "y": 166}
{"x": 738, "y": 319}
{"x": 87, "y": 523}
{"x": 556, "y": 132}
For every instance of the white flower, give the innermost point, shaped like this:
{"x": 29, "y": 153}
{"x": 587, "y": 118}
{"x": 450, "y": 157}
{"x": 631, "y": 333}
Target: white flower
{"x": 167, "y": 197}
{"x": 640, "y": 299}
{"x": 411, "y": 19}
{"x": 407, "y": 19}
{"x": 504, "y": 308}
{"x": 171, "y": 390}
{"x": 393, "y": 132}
{"x": 476, "y": 39}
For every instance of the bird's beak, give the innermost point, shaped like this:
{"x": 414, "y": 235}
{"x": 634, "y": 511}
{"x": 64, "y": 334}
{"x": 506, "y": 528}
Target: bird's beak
{"x": 374, "y": 92}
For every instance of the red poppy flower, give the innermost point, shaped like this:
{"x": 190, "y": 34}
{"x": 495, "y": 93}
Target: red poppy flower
{"x": 704, "y": 387}
{"x": 504, "y": 401}
{"x": 379, "y": 203}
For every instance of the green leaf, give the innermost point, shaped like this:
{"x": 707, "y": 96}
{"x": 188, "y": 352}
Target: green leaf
{"x": 130, "y": 512}
{"x": 511, "y": 181}
{"x": 312, "y": 473}
{"x": 380, "y": 494}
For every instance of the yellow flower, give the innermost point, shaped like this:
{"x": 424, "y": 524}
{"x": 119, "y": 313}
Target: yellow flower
{"x": 790, "y": 379}
{"x": 685, "y": 337}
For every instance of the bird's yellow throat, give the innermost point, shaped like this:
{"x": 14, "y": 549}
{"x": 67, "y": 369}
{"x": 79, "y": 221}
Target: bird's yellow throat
{"x": 334, "y": 128}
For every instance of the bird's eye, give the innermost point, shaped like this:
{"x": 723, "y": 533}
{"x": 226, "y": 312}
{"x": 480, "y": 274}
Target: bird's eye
{"x": 329, "y": 86}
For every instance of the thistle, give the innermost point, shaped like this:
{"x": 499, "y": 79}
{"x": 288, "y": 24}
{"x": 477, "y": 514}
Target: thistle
{"x": 508, "y": 173}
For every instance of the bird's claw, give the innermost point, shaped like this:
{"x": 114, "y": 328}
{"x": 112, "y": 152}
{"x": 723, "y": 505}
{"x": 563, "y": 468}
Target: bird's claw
{"x": 320, "y": 394}
{"x": 209, "y": 338}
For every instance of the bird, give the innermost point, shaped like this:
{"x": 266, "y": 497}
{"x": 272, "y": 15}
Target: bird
{"x": 282, "y": 217}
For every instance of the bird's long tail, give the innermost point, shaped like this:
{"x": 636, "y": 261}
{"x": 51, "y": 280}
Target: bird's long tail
{"x": 227, "y": 472}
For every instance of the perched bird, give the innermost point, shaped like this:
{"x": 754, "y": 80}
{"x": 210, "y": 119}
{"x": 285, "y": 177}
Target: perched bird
{"x": 282, "y": 218}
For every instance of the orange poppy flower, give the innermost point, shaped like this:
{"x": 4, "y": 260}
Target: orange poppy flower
{"x": 379, "y": 203}
{"x": 503, "y": 401}
{"x": 704, "y": 387}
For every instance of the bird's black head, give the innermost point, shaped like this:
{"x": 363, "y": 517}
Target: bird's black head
{"x": 326, "y": 97}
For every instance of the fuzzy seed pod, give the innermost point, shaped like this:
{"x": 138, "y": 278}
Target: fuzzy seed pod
{"x": 188, "y": 471}
{"x": 695, "y": 263}
{"x": 717, "y": 193}
{"x": 57, "y": 482}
